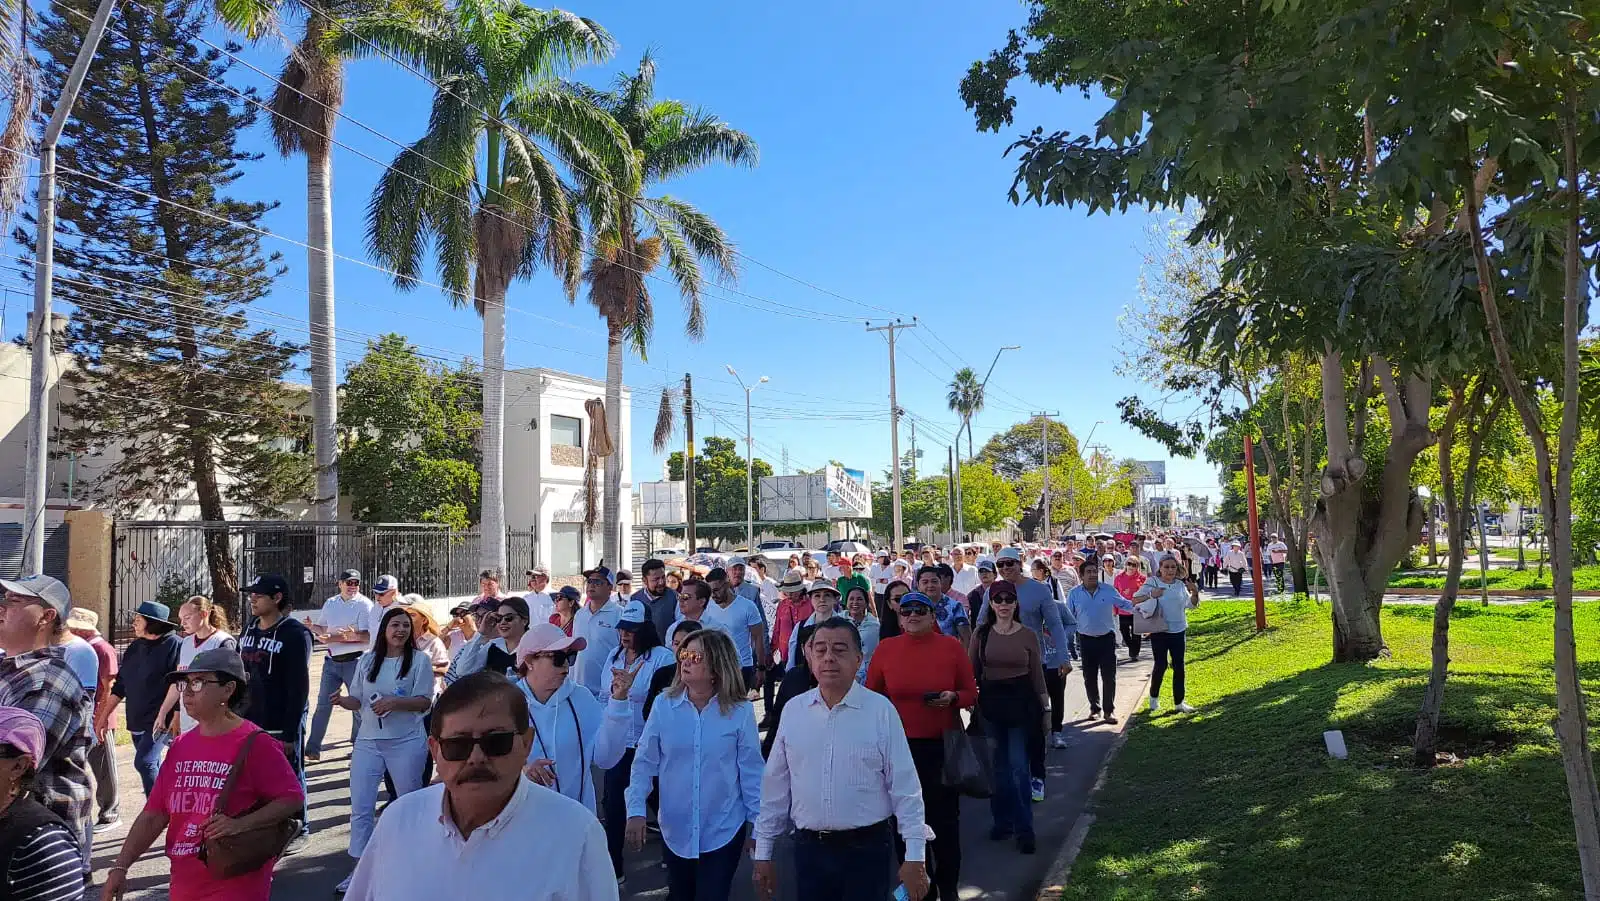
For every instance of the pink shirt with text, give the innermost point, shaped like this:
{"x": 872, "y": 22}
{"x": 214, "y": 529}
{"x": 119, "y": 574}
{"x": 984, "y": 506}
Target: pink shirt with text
{"x": 187, "y": 790}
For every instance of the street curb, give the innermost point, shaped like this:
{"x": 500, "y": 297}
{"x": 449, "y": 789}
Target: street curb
{"x": 1055, "y": 880}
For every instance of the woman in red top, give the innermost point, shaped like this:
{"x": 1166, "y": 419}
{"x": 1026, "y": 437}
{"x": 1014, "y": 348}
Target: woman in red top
{"x": 1126, "y": 583}
{"x": 566, "y": 606}
{"x": 928, "y": 677}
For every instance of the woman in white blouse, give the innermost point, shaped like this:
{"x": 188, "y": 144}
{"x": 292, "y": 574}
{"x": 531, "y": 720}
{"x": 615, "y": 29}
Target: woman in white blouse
{"x": 702, "y": 732}
{"x": 393, "y": 690}
{"x": 632, "y": 665}
{"x": 566, "y": 718}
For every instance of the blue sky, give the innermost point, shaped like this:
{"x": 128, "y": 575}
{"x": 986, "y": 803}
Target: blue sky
{"x": 873, "y": 184}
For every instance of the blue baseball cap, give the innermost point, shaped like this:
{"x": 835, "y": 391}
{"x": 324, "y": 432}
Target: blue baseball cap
{"x": 916, "y": 597}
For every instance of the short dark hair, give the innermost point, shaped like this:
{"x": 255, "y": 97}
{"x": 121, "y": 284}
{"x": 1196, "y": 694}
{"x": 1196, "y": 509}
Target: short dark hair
{"x": 945, "y": 571}
{"x": 492, "y": 573}
{"x": 926, "y": 570}
{"x": 839, "y": 622}
{"x": 697, "y": 587}
{"x": 685, "y": 627}
{"x": 651, "y": 566}
{"x": 479, "y": 688}
{"x": 156, "y": 627}
{"x": 240, "y": 701}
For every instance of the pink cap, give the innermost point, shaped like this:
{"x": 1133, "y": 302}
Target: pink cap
{"x": 548, "y": 637}
{"x": 23, "y": 731}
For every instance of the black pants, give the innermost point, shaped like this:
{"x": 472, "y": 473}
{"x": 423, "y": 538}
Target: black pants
{"x": 769, "y": 688}
{"x": 858, "y": 869}
{"x": 1132, "y": 639}
{"x": 1236, "y": 577}
{"x": 1208, "y": 575}
{"x": 614, "y": 807}
{"x": 1100, "y": 670}
{"x": 708, "y": 877}
{"x": 1167, "y": 646}
{"x": 1056, "y": 687}
{"x": 942, "y": 807}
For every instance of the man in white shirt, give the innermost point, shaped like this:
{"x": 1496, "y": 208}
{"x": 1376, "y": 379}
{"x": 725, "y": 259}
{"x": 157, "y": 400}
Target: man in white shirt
{"x": 596, "y": 623}
{"x": 342, "y": 627}
{"x": 742, "y": 620}
{"x": 473, "y": 830}
{"x": 965, "y": 575}
{"x": 842, "y": 827}
{"x": 1278, "y": 553}
{"x": 880, "y": 572}
{"x": 1234, "y": 563}
{"x": 541, "y": 603}
{"x": 835, "y": 567}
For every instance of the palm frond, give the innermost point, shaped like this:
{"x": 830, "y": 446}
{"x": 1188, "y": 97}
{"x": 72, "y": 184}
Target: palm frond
{"x": 308, "y": 94}
{"x": 684, "y": 264}
{"x": 422, "y": 37}
{"x": 666, "y": 419}
{"x": 588, "y": 138}
{"x": 252, "y": 18}
{"x": 681, "y": 144}
{"x": 634, "y": 91}
{"x": 709, "y": 242}
{"x": 16, "y": 141}
{"x": 555, "y": 41}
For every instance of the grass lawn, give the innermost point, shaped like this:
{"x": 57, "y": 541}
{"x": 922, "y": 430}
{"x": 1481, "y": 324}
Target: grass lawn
{"x": 1240, "y": 801}
{"x": 1584, "y": 578}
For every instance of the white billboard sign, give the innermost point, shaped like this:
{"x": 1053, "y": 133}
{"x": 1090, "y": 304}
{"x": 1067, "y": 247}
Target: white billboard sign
{"x": 661, "y": 504}
{"x": 1150, "y": 472}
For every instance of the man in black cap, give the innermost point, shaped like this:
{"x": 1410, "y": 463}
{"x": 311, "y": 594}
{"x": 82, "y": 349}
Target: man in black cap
{"x": 276, "y": 651}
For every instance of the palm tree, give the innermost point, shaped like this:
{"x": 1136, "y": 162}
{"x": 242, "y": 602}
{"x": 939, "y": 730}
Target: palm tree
{"x": 635, "y": 233}
{"x": 305, "y": 107}
{"x": 966, "y": 399}
{"x": 477, "y": 191}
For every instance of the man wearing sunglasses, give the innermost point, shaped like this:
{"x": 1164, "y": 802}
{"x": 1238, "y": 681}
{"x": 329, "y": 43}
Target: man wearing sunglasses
{"x": 342, "y": 626}
{"x": 474, "y": 828}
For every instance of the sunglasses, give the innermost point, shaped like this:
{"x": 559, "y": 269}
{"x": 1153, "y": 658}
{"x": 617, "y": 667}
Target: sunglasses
{"x": 691, "y": 657}
{"x": 559, "y": 658}
{"x": 459, "y": 747}
{"x": 1002, "y": 600}
{"x": 353, "y": 583}
{"x": 1005, "y": 563}
{"x": 915, "y": 609}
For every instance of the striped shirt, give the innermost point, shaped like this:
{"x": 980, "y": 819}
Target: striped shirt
{"x": 46, "y": 866}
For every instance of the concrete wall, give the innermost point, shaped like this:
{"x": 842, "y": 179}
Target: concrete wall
{"x": 89, "y": 561}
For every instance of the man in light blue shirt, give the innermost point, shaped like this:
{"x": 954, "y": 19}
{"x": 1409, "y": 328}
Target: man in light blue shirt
{"x": 1094, "y": 604}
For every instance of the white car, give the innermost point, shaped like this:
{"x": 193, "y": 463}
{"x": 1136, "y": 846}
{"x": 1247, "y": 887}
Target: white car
{"x": 667, "y": 553}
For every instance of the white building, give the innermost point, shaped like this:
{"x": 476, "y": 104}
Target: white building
{"x": 547, "y": 442}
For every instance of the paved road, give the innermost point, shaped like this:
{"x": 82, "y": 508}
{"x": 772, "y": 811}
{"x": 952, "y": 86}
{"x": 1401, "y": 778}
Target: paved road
{"x": 991, "y": 870}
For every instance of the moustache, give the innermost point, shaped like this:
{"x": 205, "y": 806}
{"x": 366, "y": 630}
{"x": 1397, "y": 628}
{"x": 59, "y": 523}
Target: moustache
{"x": 476, "y": 774}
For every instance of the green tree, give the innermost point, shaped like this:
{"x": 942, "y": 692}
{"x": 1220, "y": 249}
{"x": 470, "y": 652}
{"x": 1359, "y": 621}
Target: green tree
{"x": 176, "y": 388}
{"x": 1021, "y": 448}
{"x": 411, "y": 447}
{"x": 719, "y": 486}
{"x": 987, "y": 501}
{"x": 965, "y": 399}
{"x": 634, "y": 233}
{"x": 477, "y": 192}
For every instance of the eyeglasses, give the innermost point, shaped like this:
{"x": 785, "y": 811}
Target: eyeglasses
{"x": 195, "y": 686}
{"x": 353, "y": 583}
{"x": 559, "y": 658}
{"x": 691, "y": 657}
{"x": 459, "y": 747}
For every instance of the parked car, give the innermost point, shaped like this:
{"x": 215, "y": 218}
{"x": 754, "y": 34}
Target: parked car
{"x": 666, "y": 553}
{"x": 783, "y": 544}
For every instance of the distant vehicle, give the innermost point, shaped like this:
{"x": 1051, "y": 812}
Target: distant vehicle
{"x": 668, "y": 552}
{"x": 848, "y": 547}
{"x": 779, "y": 545}
{"x": 706, "y": 549}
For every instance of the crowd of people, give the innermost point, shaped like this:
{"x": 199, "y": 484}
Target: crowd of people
{"x": 591, "y": 717}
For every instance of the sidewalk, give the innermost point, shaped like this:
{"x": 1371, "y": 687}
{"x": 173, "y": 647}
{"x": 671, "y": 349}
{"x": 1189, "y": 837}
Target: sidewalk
{"x": 990, "y": 870}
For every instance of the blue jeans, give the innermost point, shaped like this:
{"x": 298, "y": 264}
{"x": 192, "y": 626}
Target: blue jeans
{"x": 708, "y": 877}
{"x": 857, "y": 870}
{"x": 148, "y": 749}
{"x": 1012, "y": 801}
{"x": 294, "y": 747}
{"x": 335, "y": 675}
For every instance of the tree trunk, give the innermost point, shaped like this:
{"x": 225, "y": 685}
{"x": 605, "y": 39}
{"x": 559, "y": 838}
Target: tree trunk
{"x": 493, "y": 524}
{"x": 219, "y": 555}
{"x": 1555, "y": 495}
{"x": 324, "y": 369}
{"x": 611, "y": 542}
{"x": 1425, "y": 741}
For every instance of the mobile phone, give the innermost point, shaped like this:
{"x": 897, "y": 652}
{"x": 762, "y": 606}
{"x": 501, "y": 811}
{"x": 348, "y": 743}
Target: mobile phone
{"x": 928, "y": 697}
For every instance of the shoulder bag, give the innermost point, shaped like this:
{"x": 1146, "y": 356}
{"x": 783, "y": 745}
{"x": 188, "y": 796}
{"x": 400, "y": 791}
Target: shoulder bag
{"x": 253, "y": 848}
{"x": 1146, "y": 625}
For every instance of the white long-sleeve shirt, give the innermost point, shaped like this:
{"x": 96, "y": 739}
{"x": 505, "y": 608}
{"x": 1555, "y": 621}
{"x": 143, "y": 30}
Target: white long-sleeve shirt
{"x": 567, "y": 730}
{"x": 417, "y": 854}
{"x": 714, "y": 761}
{"x": 839, "y": 768}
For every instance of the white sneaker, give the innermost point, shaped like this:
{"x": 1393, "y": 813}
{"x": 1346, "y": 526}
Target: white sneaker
{"x": 1185, "y": 708}
{"x": 345, "y": 885}
{"x": 1057, "y": 740}
{"x": 1155, "y": 704}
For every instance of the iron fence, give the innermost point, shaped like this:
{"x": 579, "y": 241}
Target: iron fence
{"x": 168, "y": 561}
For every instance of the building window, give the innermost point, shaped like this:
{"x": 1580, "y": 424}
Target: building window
{"x": 566, "y": 430}
{"x": 566, "y": 548}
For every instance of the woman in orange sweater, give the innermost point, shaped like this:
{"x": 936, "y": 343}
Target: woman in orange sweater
{"x": 928, "y": 677}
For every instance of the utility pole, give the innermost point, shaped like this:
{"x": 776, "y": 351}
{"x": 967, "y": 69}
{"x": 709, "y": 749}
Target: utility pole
{"x": 36, "y": 489}
{"x": 950, "y": 492}
{"x": 1044, "y": 429}
{"x": 898, "y": 541}
{"x": 749, "y": 466}
{"x": 913, "y": 450}
{"x": 688, "y": 462}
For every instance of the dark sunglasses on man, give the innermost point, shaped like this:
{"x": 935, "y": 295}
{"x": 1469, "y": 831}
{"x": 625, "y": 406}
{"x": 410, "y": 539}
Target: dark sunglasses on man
{"x": 457, "y": 748}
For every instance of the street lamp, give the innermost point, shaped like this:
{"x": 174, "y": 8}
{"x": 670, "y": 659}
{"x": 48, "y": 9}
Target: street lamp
{"x": 966, "y": 424}
{"x": 749, "y": 466}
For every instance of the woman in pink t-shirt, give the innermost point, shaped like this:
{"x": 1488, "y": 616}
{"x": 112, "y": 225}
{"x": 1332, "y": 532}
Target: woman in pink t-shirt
{"x": 1126, "y": 583}
{"x": 184, "y": 799}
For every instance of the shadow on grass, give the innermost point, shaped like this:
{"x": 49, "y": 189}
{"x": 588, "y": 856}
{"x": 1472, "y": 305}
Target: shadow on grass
{"x": 1242, "y": 801}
